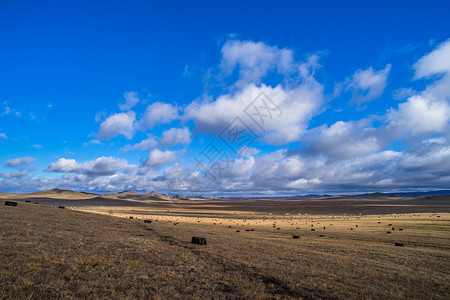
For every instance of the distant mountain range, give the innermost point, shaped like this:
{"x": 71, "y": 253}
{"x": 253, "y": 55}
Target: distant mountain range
{"x": 129, "y": 194}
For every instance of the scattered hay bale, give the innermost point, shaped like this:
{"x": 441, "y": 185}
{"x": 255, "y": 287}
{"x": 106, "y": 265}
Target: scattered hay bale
{"x": 324, "y": 228}
{"x": 399, "y": 244}
{"x": 62, "y": 207}
{"x": 351, "y": 228}
{"x": 10, "y": 203}
{"x": 388, "y": 232}
{"x": 321, "y": 235}
{"x": 238, "y": 231}
{"x": 401, "y": 229}
{"x": 379, "y": 222}
{"x": 278, "y": 228}
{"x": 312, "y": 229}
{"x": 295, "y": 237}
{"x": 252, "y": 229}
{"x": 247, "y": 229}
{"x": 198, "y": 240}
{"x": 131, "y": 218}
{"x": 27, "y": 201}
{"x": 393, "y": 228}
{"x": 148, "y": 221}
{"x": 389, "y": 224}
{"x": 356, "y": 225}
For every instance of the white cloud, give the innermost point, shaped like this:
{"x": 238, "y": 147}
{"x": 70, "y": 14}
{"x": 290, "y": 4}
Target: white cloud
{"x": 169, "y": 138}
{"x": 403, "y": 93}
{"x": 3, "y": 135}
{"x": 117, "y": 124}
{"x": 175, "y": 136}
{"x": 420, "y": 115}
{"x": 368, "y": 84}
{"x": 436, "y": 62}
{"x": 131, "y": 99}
{"x": 298, "y": 105}
{"x": 427, "y": 112}
{"x": 248, "y": 151}
{"x": 101, "y": 166}
{"x": 147, "y": 144}
{"x": 37, "y": 146}
{"x": 15, "y": 174}
{"x": 92, "y": 142}
{"x": 158, "y": 158}
{"x": 159, "y": 113}
{"x": 254, "y": 60}
{"x": 20, "y": 161}
{"x": 345, "y": 139}
{"x": 7, "y": 110}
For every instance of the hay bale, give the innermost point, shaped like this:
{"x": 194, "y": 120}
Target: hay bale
{"x": 148, "y": 221}
{"x": 388, "y": 232}
{"x": 198, "y": 240}
{"x": 62, "y": 207}
{"x": 295, "y": 237}
{"x": 10, "y": 203}
{"x": 131, "y": 218}
{"x": 312, "y": 229}
{"x": 399, "y": 244}
{"x": 238, "y": 231}
{"x": 27, "y": 201}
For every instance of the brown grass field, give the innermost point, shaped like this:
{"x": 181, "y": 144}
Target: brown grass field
{"x": 96, "y": 251}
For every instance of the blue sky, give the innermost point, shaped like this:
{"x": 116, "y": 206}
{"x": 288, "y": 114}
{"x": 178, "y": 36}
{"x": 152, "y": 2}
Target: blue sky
{"x": 112, "y": 95}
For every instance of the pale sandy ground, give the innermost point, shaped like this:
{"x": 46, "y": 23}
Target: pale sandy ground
{"x": 403, "y": 227}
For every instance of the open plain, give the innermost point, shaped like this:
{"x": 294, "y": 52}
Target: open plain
{"x": 371, "y": 247}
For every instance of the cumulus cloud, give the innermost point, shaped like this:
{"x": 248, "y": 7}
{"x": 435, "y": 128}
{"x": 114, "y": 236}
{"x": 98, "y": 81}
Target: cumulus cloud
{"x": 367, "y": 85}
{"x": 297, "y": 105}
{"x": 345, "y": 139}
{"x": 20, "y": 161}
{"x": 117, "y": 124}
{"x": 427, "y": 112}
{"x": 420, "y": 115}
{"x": 436, "y": 62}
{"x": 101, "y": 166}
{"x": 131, "y": 99}
{"x": 176, "y": 136}
{"x": 15, "y": 174}
{"x": 158, "y": 158}
{"x": 254, "y": 60}
{"x": 147, "y": 144}
{"x": 3, "y": 135}
{"x": 159, "y": 113}
{"x": 169, "y": 138}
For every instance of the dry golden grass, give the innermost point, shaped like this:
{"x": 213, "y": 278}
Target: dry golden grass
{"x": 46, "y": 253}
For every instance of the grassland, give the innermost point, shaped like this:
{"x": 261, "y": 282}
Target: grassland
{"x": 48, "y": 253}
